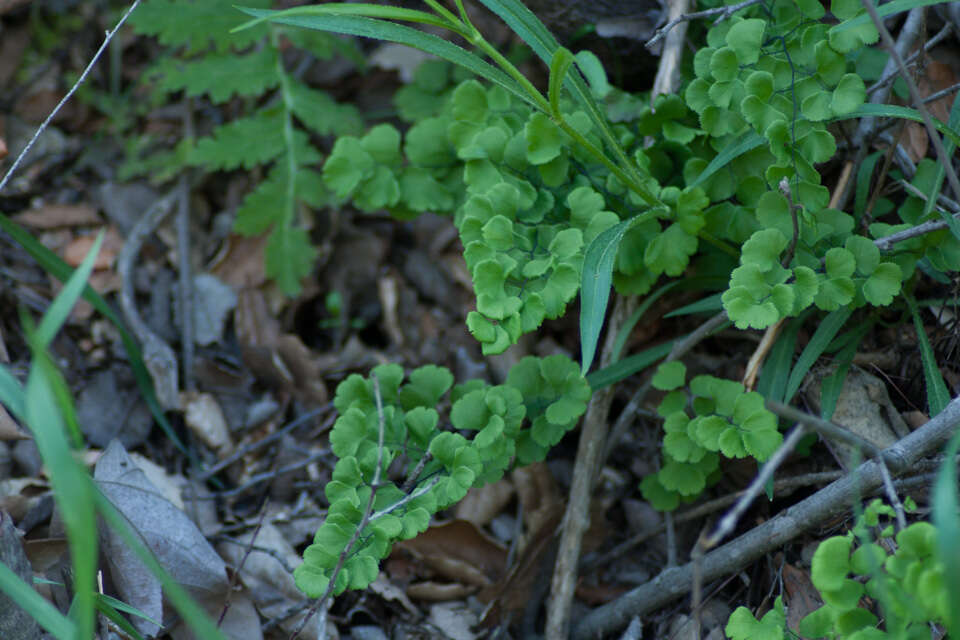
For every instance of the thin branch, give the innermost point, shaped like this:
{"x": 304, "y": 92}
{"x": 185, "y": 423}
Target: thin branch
{"x": 890, "y": 74}
{"x": 773, "y": 533}
{"x": 259, "y": 444}
{"x": 915, "y": 96}
{"x": 722, "y": 14}
{"x": 730, "y": 519}
{"x": 63, "y": 101}
{"x": 824, "y": 427}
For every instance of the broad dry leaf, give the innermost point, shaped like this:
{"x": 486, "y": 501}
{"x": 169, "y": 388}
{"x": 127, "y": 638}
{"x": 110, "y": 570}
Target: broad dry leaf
{"x": 173, "y": 538}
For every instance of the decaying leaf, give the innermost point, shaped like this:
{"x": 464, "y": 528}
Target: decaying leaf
{"x": 173, "y": 538}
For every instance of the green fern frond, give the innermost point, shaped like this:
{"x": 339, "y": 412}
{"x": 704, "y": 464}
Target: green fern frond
{"x": 220, "y": 75}
{"x": 197, "y": 24}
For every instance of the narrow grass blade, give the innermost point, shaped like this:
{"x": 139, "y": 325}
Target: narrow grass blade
{"x": 631, "y": 322}
{"x": 888, "y": 9}
{"x": 562, "y": 59}
{"x": 772, "y": 383}
{"x": 383, "y": 12}
{"x": 937, "y": 395}
{"x": 191, "y": 612}
{"x": 947, "y": 522}
{"x": 734, "y": 149}
{"x": 630, "y": 365}
{"x": 863, "y": 184}
{"x": 70, "y": 482}
{"x": 39, "y": 608}
{"x": 872, "y": 110}
{"x": 52, "y": 264}
{"x": 710, "y": 304}
{"x": 832, "y": 385}
{"x": 11, "y": 394}
{"x": 821, "y": 339}
{"x": 390, "y": 32}
{"x": 949, "y": 146}
{"x": 59, "y": 310}
{"x": 111, "y": 607}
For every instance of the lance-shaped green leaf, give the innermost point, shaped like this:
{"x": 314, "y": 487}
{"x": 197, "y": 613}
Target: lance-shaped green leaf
{"x": 382, "y": 30}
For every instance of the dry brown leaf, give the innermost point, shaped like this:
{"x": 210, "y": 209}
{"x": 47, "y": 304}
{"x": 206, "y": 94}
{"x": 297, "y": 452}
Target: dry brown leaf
{"x": 439, "y": 591}
{"x": 77, "y": 249}
{"x": 53, "y": 216}
{"x": 457, "y": 551}
{"x": 240, "y": 262}
{"x": 801, "y": 596}
{"x": 15, "y": 623}
{"x": 9, "y": 429}
{"x": 539, "y": 497}
{"x": 174, "y": 539}
{"x": 203, "y": 415}
{"x": 937, "y": 76}
{"x": 483, "y": 504}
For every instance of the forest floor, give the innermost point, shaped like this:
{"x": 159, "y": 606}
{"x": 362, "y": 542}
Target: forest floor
{"x": 241, "y": 488}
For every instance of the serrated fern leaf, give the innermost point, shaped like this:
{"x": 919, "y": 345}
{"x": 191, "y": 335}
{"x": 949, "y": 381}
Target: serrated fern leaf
{"x": 322, "y": 114}
{"x": 250, "y": 141}
{"x": 221, "y": 76}
{"x": 290, "y": 256}
{"x": 196, "y": 24}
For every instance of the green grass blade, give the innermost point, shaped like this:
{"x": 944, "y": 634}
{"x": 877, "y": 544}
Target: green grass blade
{"x": 822, "y": 337}
{"x": 38, "y": 607}
{"x": 863, "y": 184}
{"x": 527, "y": 25}
{"x": 70, "y": 482}
{"x": 949, "y": 147}
{"x": 120, "y": 605}
{"x": 52, "y": 264}
{"x": 947, "y": 522}
{"x": 59, "y": 310}
{"x": 833, "y": 384}
{"x": 390, "y": 32}
{"x": 11, "y": 394}
{"x": 191, "y": 612}
{"x": 937, "y": 395}
{"x": 562, "y": 59}
{"x": 734, "y": 149}
{"x": 630, "y": 365}
{"x": 888, "y": 9}
{"x": 383, "y": 12}
{"x": 110, "y": 608}
{"x": 873, "y": 110}
{"x": 710, "y": 304}
{"x": 631, "y": 322}
{"x": 772, "y": 383}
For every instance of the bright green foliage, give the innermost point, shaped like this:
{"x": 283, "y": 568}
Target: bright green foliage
{"x": 743, "y": 626}
{"x": 727, "y": 420}
{"x": 906, "y": 585}
{"x": 206, "y": 60}
{"x": 513, "y": 423}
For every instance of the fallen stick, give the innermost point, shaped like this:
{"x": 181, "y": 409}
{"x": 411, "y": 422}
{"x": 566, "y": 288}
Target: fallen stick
{"x": 776, "y": 532}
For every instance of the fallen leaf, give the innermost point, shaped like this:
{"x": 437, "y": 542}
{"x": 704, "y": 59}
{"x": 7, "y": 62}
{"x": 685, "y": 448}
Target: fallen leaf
{"x": 15, "y": 623}
{"x": 77, "y": 250}
{"x": 174, "y": 539}
{"x": 801, "y": 597}
{"x": 53, "y": 216}
{"x": 459, "y": 551}
{"x": 205, "y": 418}
{"x": 483, "y": 504}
